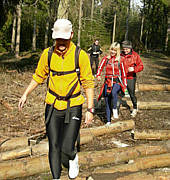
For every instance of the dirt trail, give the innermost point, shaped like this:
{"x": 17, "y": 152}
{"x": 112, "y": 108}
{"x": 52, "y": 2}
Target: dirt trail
{"x": 15, "y": 77}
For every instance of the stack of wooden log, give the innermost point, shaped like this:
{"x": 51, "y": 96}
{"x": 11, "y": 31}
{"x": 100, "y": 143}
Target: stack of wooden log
{"x": 26, "y": 156}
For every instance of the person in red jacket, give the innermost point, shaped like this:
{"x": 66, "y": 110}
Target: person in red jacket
{"x": 115, "y": 79}
{"x": 133, "y": 65}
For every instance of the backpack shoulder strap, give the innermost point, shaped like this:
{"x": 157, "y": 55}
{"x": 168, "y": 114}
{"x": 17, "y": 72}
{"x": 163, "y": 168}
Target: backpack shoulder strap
{"x": 50, "y": 52}
{"x": 77, "y": 68}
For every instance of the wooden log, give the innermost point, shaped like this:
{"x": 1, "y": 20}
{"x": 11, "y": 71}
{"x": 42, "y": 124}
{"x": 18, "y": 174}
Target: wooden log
{"x": 154, "y": 161}
{"x": 22, "y": 168}
{"x": 14, "y": 143}
{"x": 116, "y": 127}
{"x": 41, "y": 149}
{"x": 118, "y": 155}
{"x": 151, "y": 105}
{"x": 153, "y": 87}
{"x": 14, "y": 154}
{"x": 34, "y": 165}
{"x": 158, "y": 175}
{"x": 152, "y": 134}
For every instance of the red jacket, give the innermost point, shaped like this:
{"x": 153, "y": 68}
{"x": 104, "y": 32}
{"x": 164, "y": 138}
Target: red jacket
{"x": 132, "y": 60}
{"x": 114, "y": 70}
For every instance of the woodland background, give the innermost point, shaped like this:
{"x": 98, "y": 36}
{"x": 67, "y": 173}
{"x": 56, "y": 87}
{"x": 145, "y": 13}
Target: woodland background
{"x": 25, "y": 25}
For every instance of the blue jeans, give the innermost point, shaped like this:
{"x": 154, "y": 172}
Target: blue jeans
{"x": 112, "y": 99}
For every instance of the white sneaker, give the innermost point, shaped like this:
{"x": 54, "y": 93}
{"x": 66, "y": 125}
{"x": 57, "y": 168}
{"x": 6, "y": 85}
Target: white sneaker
{"x": 115, "y": 114}
{"x": 134, "y": 113}
{"x": 73, "y": 168}
{"x": 108, "y": 123}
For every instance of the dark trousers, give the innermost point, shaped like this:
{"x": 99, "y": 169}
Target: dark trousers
{"x": 110, "y": 100}
{"x": 62, "y": 138}
{"x": 131, "y": 83}
{"x": 92, "y": 60}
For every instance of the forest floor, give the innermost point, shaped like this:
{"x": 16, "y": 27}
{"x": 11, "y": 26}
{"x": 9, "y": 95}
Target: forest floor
{"x": 16, "y": 74}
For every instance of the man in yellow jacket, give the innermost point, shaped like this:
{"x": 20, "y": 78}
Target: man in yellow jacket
{"x": 64, "y": 101}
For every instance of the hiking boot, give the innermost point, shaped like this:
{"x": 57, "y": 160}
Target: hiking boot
{"x": 73, "y": 168}
{"x": 108, "y": 123}
{"x": 134, "y": 113}
{"x": 115, "y": 114}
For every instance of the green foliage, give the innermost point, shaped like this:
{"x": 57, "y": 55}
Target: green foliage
{"x": 100, "y": 27}
{"x": 156, "y": 14}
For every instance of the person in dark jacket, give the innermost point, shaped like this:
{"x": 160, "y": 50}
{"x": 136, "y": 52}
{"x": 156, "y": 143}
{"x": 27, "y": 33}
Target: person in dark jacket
{"x": 95, "y": 52}
{"x": 133, "y": 64}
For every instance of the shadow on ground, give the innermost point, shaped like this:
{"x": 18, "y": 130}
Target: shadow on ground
{"x": 27, "y": 62}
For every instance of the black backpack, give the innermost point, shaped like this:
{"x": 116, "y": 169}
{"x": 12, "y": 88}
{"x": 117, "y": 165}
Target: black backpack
{"x": 77, "y": 69}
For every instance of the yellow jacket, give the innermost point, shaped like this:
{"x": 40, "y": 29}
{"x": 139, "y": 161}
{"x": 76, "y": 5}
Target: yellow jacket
{"x": 62, "y": 84}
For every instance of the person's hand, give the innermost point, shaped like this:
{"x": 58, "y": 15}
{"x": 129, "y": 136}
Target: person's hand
{"x": 22, "y": 101}
{"x": 131, "y": 69}
{"x": 99, "y": 78}
{"x": 88, "y": 118}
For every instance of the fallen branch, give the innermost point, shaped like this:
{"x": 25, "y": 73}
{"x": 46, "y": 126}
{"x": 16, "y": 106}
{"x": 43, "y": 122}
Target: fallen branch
{"x": 6, "y": 104}
{"x": 152, "y": 134}
{"x": 155, "y": 161}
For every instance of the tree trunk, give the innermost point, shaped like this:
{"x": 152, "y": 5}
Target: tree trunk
{"x": 63, "y": 10}
{"x": 13, "y": 32}
{"x": 141, "y": 30}
{"x": 114, "y": 28}
{"x": 34, "y": 29}
{"x": 80, "y": 16}
{"x": 92, "y": 9}
{"x": 127, "y": 21}
{"x": 168, "y": 33}
{"x": 34, "y": 165}
{"x": 151, "y": 134}
{"x": 155, "y": 161}
{"x": 18, "y": 31}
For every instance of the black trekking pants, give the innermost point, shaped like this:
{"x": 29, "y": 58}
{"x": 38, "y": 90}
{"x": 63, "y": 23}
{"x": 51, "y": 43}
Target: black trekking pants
{"x": 131, "y": 83}
{"x": 96, "y": 60}
{"x": 62, "y": 137}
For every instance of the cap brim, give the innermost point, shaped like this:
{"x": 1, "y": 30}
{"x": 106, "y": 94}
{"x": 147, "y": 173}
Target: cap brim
{"x": 61, "y": 35}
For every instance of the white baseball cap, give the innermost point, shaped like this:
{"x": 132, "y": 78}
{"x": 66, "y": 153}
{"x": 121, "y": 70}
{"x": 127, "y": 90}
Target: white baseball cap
{"x": 62, "y": 29}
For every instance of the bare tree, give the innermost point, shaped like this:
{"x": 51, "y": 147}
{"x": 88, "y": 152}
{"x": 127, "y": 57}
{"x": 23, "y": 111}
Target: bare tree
{"x": 13, "y": 32}
{"x": 63, "y": 9}
{"x": 92, "y": 9}
{"x": 34, "y": 29}
{"x": 114, "y": 28}
{"x": 168, "y": 33}
{"x": 18, "y": 30}
{"x": 127, "y": 21}
{"x": 80, "y": 16}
